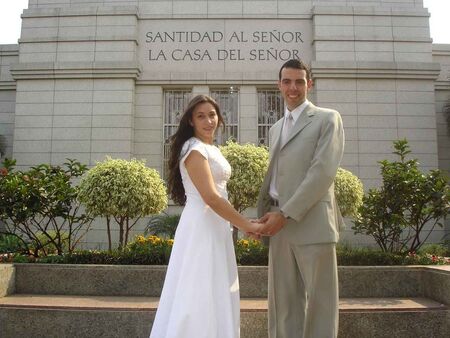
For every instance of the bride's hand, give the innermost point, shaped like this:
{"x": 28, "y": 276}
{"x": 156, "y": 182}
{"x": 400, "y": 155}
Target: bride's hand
{"x": 256, "y": 228}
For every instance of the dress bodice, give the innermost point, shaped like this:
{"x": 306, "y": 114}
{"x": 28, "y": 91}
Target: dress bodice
{"x": 220, "y": 168}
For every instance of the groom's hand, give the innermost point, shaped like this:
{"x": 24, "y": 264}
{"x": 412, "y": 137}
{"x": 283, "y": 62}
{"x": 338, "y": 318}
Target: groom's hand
{"x": 273, "y": 222}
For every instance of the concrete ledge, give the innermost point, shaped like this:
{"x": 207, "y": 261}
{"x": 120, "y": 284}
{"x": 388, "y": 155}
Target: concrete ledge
{"x": 107, "y": 303}
{"x": 7, "y": 279}
{"x": 100, "y": 280}
{"x": 381, "y": 281}
{"x": 146, "y": 280}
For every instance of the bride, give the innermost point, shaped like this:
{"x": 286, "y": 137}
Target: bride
{"x": 200, "y": 297}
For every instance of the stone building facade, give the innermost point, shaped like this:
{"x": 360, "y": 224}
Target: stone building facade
{"x": 93, "y": 78}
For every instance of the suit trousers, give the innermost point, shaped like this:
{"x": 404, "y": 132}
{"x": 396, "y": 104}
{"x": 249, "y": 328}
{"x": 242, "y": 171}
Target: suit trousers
{"x": 303, "y": 289}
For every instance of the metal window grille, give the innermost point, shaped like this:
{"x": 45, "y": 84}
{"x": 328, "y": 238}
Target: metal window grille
{"x": 270, "y": 110}
{"x": 175, "y": 101}
{"x": 228, "y": 101}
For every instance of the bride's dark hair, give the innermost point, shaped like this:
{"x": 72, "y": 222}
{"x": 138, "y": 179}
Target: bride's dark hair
{"x": 184, "y": 132}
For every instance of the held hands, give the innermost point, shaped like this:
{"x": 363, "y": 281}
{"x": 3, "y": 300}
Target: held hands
{"x": 255, "y": 232}
{"x": 268, "y": 225}
{"x": 273, "y": 222}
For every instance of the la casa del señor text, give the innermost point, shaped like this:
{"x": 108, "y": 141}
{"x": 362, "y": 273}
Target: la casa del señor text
{"x": 229, "y": 54}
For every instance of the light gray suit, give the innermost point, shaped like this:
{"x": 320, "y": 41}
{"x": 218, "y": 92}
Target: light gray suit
{"x": 303, "y": 295}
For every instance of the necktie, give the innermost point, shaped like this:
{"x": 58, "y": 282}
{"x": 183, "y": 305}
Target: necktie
{"x": 288, "y": 124}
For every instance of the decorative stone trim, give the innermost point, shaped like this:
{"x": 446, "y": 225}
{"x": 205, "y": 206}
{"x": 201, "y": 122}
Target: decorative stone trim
{"x": 442, "y": 85}
{"x": 7, "y": 85}
{"x": 375, "y": 70}
{"x": 371, "y": 38}
{"x": 369, "y": 10}
{"x": 75, "y": 70}
{"x": 9, "y": 50}
{"x": 441, "y": 49}
{"x": 79, "y": 39}
{"x": 80, "y": 11}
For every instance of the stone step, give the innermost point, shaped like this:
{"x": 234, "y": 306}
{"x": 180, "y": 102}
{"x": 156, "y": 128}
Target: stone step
{"x": 23, "y": 315}
{"x": 247, "y": 304}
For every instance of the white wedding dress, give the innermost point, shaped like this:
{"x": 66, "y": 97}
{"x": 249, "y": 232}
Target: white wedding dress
{"x": 200, "y": 297}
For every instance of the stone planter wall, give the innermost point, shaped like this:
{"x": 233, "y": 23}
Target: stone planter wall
{"x": 146, "y": 280}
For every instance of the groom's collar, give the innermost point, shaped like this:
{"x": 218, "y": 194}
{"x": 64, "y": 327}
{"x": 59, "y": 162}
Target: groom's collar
{"x": 297, "y": 111}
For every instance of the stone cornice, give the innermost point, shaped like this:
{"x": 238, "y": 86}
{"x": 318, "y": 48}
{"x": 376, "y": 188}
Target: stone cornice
{"x": 375, "y": 70}
{"x": 440, "y": 49}
{"x": 147, "y": 16}
{"x": 73, "y": 70}
{"x": 371, "y": 38}
{"x": 7, "y": 85}
{"x": 442, "y": 85}
{"x": 9, "y": 50}
{"x": 208, "y": 78}
{"x": 369, "y": 10}
{"x": 320, "y": 69}
{"x": 80, "y": 11}
{"x": 79, "y": 39}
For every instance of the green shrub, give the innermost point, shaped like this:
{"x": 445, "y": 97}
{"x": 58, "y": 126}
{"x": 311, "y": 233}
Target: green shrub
{"x": 52, "y": 259}
{"x": 123, "y": 191}
{"x": 396, "y": 214}
{"x": 43, "y": 201}
{"x": 366, "y": 256}
{"x": 22, "y": 259}
{"x": 11, "y": 244}
{"x": 435, "y": 249}
{"x": 163, "y": 225}
{"x": 349, "y": 192}
{"x": 47, "y": 242}
{"x": 348, "y": 256}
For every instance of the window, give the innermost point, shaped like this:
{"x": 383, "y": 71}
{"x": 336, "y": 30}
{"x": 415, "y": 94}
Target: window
{"x": 270, "y": 110}
{"x": 228, "y": 101}
{"x": 174, "y": 103}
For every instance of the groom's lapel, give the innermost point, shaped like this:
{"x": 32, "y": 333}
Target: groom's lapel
{"x": 275, "y": 143}
{"x": 275, "y": 148}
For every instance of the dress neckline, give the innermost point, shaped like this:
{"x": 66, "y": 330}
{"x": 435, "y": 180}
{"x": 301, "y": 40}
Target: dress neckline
{"x": 207, "y": 144}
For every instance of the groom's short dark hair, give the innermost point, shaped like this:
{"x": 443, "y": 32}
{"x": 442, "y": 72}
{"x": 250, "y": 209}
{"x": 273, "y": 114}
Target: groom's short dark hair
{"x": 296, "y": 64}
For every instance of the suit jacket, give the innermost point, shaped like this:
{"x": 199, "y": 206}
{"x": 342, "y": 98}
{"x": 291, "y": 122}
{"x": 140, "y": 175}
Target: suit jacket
{"x": 307, "y": 166}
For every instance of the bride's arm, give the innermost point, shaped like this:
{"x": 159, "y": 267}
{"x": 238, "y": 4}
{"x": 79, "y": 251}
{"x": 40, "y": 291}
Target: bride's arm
{"x": 200, "y": 173}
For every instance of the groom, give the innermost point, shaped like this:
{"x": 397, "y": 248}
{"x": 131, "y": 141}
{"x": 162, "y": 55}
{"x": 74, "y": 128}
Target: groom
{"x": 298, "y": 206}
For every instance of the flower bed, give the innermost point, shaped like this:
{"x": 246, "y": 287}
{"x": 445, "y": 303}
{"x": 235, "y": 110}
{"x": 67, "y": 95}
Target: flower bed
{"x": 153, "y": 250}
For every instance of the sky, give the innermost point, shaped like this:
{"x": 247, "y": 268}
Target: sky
{"x": 10, "y": 21}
